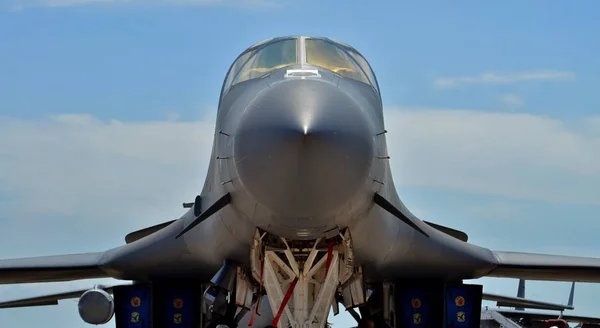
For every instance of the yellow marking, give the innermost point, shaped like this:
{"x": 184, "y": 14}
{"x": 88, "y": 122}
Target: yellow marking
{"x": 178, "y": 318}
{"x": 135, "y": 317}
{"x": 417, "y": 318}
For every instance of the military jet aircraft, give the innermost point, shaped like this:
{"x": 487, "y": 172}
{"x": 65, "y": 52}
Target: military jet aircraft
{"x": 298, "y": 211}
{"x": 536, "y": 319}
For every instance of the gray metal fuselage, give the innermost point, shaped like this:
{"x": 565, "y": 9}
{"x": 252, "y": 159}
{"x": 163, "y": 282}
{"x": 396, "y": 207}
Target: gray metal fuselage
{"x": 302, "y": 158}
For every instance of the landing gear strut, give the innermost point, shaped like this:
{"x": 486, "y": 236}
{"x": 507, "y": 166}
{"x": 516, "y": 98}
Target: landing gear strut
{"x": 222, "y": 306}
{"x": 302, "y": 278}
{"x": 231, "y": 289}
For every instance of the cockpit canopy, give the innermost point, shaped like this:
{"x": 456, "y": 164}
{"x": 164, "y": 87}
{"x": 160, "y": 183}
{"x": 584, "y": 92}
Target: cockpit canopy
{"x": 270, "y": 55}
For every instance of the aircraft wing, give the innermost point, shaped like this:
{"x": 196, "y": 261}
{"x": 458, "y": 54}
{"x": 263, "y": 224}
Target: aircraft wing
{"x": 545, "y": 267}
{"x": 517, "y": 302}
{"x": 539, "y": 316}
{"x": 50, "y": 299}
{"x": 51, "y": 268}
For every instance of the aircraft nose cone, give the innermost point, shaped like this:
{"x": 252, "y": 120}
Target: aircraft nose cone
{"x": 303, "y": 148}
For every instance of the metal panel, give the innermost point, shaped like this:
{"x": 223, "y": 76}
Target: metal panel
{"x": 133, "y": 306}
{"x": 176, "y": 306}
{"x": 416, "y": 306}
{"x": 419, "y": 304}
{"x": 463, "y": 306}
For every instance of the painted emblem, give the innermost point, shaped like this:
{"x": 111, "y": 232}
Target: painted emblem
{"x": 136, "y": 301}
{"x": 135, "y": 317}
{"x": 416, "y": 303}
{"x": 417, "y": 318}
{"x": 459, "y": 301}
{"x": 461, "y": 316}
{"x": 177, "y": 318}
{"x": 178, "y": 303}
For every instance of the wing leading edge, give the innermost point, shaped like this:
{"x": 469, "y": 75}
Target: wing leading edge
{"x": 533, "y": 266}
{"x": 52, "y": 268}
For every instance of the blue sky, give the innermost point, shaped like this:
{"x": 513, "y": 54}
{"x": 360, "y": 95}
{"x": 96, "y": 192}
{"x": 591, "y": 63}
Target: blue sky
{"x": 107, "y": 109}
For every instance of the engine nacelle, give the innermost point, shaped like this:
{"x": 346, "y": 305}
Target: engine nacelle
{"x": 96, "y": 307}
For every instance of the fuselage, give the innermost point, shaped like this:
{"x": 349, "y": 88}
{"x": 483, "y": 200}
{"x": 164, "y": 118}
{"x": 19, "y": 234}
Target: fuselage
{"x": 300, "y": 145}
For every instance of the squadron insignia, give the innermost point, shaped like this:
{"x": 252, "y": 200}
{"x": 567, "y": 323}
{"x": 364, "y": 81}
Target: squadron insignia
{"x": 178, "y": 303}
{"x": 177, "y": 318}
{"x": 461, "y": 316}
{"x": 136, "y": 301}
{"x": 416, "y": 303}
{"x": 459, "y": 301}
{"x": 417, "y": 318}
{"x": 135, "y": 317}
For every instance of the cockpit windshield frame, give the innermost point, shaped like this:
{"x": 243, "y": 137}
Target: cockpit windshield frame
{"x": 361, "y": 70}
{"x": 353, "y": 56}
{"x": 241, "y": 62}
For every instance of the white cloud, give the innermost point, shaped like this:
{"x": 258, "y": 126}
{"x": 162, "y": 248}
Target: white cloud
{"x": 104, "y": 179}
{"x": 512, "y": 101}
{"x": 138, "y": 173}
{"x": 76, "y": 164}
{"x": 74, "y": 183}
{"x": 505, "y": 78}
{"x": 513, "y": 155}
{"x": 135, "y": 174}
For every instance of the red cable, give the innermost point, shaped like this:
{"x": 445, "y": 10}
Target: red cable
{"x": 285, "y": 301}
{"x": 251, "y": 322}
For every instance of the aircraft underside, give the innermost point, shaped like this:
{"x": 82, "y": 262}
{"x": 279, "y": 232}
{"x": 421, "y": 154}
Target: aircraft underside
{"x": 402, "y": 303}
{"x": 289, "y": 283}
